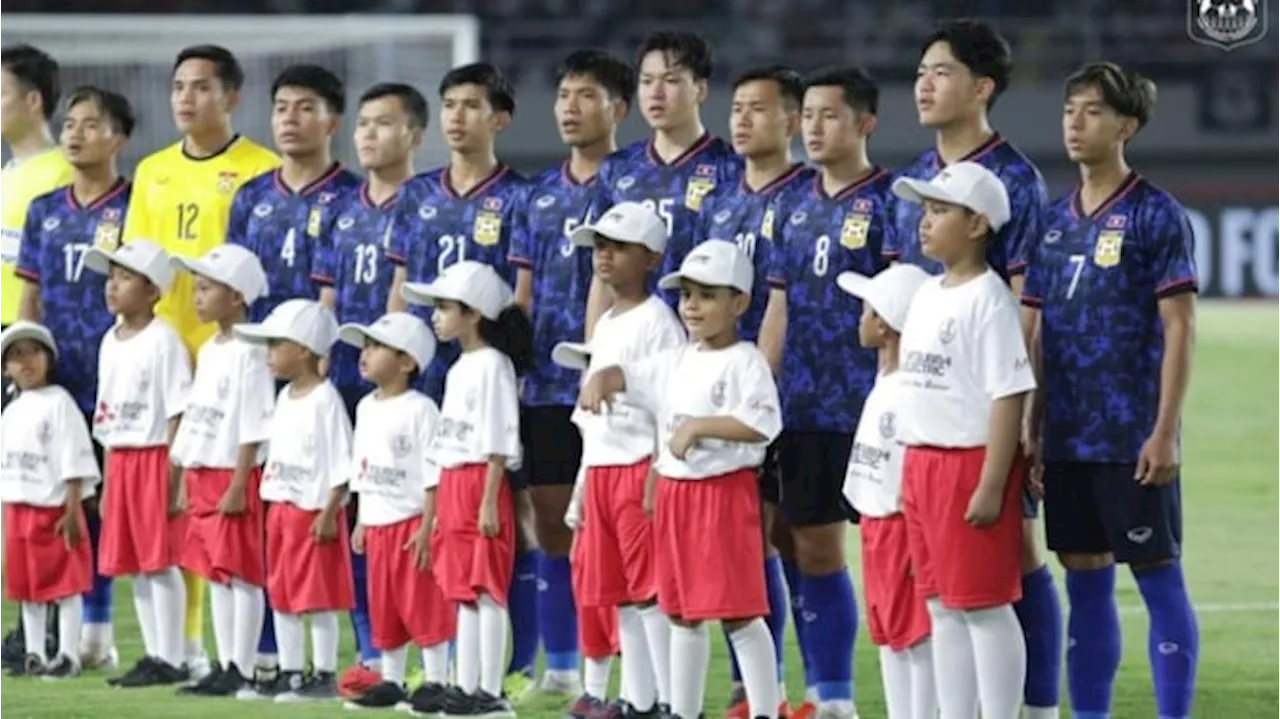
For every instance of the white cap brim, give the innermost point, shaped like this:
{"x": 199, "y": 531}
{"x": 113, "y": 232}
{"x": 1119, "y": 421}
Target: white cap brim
{"x": 854, "y": 283}
{"x": 424, "y": 293}
{"x": 258, "y": 333}
{"x": 29, "y": 331}
{"x": 584, "y": 236}
{"x": 100, "y": 261}
{"x": 356, "y": 334}
{"x": 917, "y": 191}
{"x": 672, "y": 281}
{"x": 572, "y": 355}
{"x": 192, "y": 266}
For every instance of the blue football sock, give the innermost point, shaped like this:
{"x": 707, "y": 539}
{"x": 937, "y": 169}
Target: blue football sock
{"x": 557, "y": 615}
{"x": 1041, "y": 618}
{"x": 1173, "y": 643}
{"x": 267, "y": 638}
{"x": 98, "y": 600}
{"x": 522, "y": 606}
{"x": 832, "y": 611}
{"x": 361, "y": 625}
{"x": 1093, "y": 655}
{"x": 776, "y": 583}
{"x": 795, "y": 589}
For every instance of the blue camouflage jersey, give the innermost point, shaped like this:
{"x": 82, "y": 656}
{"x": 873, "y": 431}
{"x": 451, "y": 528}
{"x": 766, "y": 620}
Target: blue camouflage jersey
{"x": 826, "y": 373}
{"x": 58, "y": 232}
{"x": 558, "y": 203}
{"x": 745, "y": 216}
{"x": 1028, "y": 197}
{"x": 675, "y": 190}
{"x": 436, "y": 226}
{"x": 360, "y": 268}
{"x": 1097, "y": 279}
{"x": 289, "y": 231}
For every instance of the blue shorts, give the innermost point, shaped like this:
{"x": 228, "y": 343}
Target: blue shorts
{"x": 1096, "y": 508}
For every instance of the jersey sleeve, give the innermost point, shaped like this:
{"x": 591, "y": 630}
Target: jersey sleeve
{"x": 1033, "y": 284}
{"x": 238, "y": 220}
{"x": 499, "y": 425}
{"x": 337, "y": 433}
{"x": 257, "y": 399}
{"x": 324, "y": 256}
{"x": 138, "y": 221}
{"x": 757, "y": 405}
{"x": 175, "y": 377}
{"x": 1174, "y": 251}
{"x": 75, "y": 449}
{"x": 1027, "y": 202}
{"x": 28, "y": 264}
{"x": 602, "y": 198}
{"x": 523, "y": 234}
{"x": 776, "y": 270}
{"x": 891, "y": 242}
{"x": 405, "y": 227}
{"x": 647, "y": 379}
{"x": 1001, "y": 352}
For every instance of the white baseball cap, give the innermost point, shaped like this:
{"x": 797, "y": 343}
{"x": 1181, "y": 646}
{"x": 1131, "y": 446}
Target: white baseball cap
{"x": 714, "y": 263}
{"x": 889, "y": 293}
{"x": 472, "y": 283}
{"x": 629, "y": 222}
{"x": 27, "y": 330}
{"x": 573, "y": 355}
{"x": 966, "y": 184}
{"x": 306, "y": 322}
{"x": 141, "y": 256}
{"x": 397, "y": 330}
{"x": 233, "y": 266}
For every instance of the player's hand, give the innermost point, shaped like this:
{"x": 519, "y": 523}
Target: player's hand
{"x": 1032, "y": 451}
{"x": 325, "y": 527}
{"x": 357, "y": 539}
{"x": 233, "y": 501}
{"x": 683, "y": 439}
{"x": 984, "y": 506}
{"x": 488, "y": 520}
{"x": 593, "y": 397}
{"x": 420, "y": 545}
{"x": 68, "y": 527}
{"x": 1157, "y": 461}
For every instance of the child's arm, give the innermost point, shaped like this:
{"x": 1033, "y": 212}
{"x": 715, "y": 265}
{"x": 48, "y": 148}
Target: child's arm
{"x": 1004, "y": 429}
{"x": 600, "y": 388}
{"x": 325, "y": 527}
{"x": 729, "y": 429}
{"x": 68, "y": 525}
{"x": 234, "y": 500}
{"x": 420, "y": 542}
{"x": 494, "y": 475}
{"x": 177, "y": 488}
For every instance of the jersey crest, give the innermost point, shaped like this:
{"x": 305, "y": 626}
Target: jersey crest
{"x": 314, "y": 219}
{"x": 1107, "y": 251}
{"x": 487, "y": 229}
{"x": 107, "y": 234}
{"x": 227, "y": 182}
{"x": 853, "y": 233}
{"x": 699, "y": 186}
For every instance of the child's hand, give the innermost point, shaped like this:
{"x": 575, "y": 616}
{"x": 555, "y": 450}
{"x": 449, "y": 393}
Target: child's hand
{"x": 420, "y": 545}
{"x": 68, "y": 527}
{"x": 178, "y": 499}
{"x": 233, "y": 502}
{"x": 683, "y": 439}
{"x": 357, "y": 539}
{"x": 650, "y": 499}
{"x": 488, "y": 519}
{"x": 593, "y": 397}
{"x": 325, "y": 527}
{"x": 984, "y": 506}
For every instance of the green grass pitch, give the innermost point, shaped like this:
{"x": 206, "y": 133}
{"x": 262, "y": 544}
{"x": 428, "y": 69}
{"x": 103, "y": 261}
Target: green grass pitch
{"x": 1230, "y": 498}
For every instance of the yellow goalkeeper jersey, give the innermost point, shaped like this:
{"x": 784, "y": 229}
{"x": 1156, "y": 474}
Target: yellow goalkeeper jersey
{"x": 20, "y": 183}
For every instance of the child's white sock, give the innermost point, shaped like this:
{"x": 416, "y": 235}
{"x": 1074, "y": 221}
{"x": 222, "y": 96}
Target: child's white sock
{"x": 144, "y": 605}
{"x": 70, "y": 620}
{"x": 393, "y": 664}
{"x": 250, "y": 608}
{"x": 595, "y": 677}
{"x": 324, "y": 641}
{"x": 34, "y": 617}
{"x": 169, "y": 602}
{"x": 637, "y": 662}
{"x": 223, "y": 604}
{"x": 690, "y": 654}
{"x": 754, "y": 646}
{"x": 895, "y": 675}
{"x": 657, "y": 630}
{"x": 290, "y": 641}
{"x": 493, "y": 643}
{"x": 468, "y": 648}
{"x": 924, "y": 692}
{"x": 435, "y": 663}
{"x": 953, "y": 671}
{"x": 1000, "y": 656}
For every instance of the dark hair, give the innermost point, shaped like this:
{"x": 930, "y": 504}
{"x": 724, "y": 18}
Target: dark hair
{"x": 226, "y": 66}
{"x": 512, "y": 335}
{"x": 115, "y": 105}
{"x": 316, "y": 79}
{"x": 790, "y": 84}
{"x": 1125, "y": 91}
{"x": 614, "y": 75}
{"x": 414, "y": 104}
{"x": 685, "y": 49}
{"x": 51, "y": 378}
{"x": 35, "y": 70}
{"x": 861, "y": 93}
{"x": 497, "y": 89}
{"x": 979, "y": 48}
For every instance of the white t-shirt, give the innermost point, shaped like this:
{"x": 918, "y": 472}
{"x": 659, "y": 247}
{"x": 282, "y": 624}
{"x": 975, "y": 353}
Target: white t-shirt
{"x": 142, "y": 384}
{"x": 480, "y": 415}
{"x": 229, "y": 405}
{"x": 961, "y": 349}
{"x": 689, "y": 382}
{"x": 627, "y": 433}
{"x": 45, "y": 444}
{"x": 388, "y": 463}
{"x": 309, "y": 449}
{"x": 873, "y": 480}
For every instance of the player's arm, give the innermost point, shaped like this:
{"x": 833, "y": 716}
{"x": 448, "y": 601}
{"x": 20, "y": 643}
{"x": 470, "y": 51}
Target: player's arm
{"x": 773, "y": 328}
{"x": 1030, "y": 294}
{"x": 395, "y": 300}
{"x": 29, "y": 307}
{"x": 27, "y": 269}
{"x": 1178, "y": 315}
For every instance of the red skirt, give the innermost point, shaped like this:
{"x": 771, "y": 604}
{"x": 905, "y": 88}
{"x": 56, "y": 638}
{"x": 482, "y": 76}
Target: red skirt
{"x": 38, "y": 567}
{"x": 405, "y": 604}
{"x": 467, "y": 563}
{"x": 138, "y": 535}
{"x": 219, "y": 546}
{"x": 304, "y": 575}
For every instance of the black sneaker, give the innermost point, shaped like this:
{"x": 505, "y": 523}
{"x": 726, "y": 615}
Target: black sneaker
{"x": 584, "y": 706}
{"x": 204, "y": 685}
{"x": 217, "y": 683}
{"x": 273, "y": 687}
{"x": 163, "y": 674}
{"x": 454, "y": 702}
{"x": 429, "y": 698}
{"x": 320, "y": 686}
{"x": 480, "y": 705}
{"x": 31, "y": 666}
{"x": 14, "y": 650}
{"x": 386, "y": 695}
{"x": 144, "y": 665}
{"x": 64, "y": 667}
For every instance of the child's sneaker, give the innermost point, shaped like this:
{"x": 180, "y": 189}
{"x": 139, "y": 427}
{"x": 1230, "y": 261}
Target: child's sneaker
{"x": 516, "y": 685}
{"x": 281, "y": 683}
{"x": 319, "y": 687}
{"x": 32, "y": 665}
{"x": 358, "y": 679}
{"x": 386, "y": 695}
{"x": 428, "y": 699}
{"x": 217, "y": 683}
{"x": 96, "y": 658}
{"x": 584, "y": 706}
{"x": 480, "y": 705}
{"x": 64, "y": 667}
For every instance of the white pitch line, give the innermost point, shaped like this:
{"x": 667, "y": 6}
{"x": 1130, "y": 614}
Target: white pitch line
{"x": 1215, "y": 608}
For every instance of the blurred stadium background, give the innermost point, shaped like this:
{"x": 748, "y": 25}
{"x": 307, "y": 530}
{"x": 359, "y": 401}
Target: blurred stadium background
{"x": 1212, "y": 142}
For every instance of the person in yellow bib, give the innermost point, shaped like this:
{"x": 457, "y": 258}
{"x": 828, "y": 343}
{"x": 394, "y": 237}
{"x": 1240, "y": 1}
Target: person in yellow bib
{"x": 182, "y": 201}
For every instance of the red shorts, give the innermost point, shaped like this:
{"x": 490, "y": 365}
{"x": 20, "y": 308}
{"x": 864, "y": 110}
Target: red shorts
{"x": 404, "y": 603}
{"x": 466, "y": 563}
{"x": 220, "y": 546}
{"x": 966, "y": 567}
{"x": 708, "y": 547}
{"x": 896, "y": 614}
{"x": 138, "y": 535}
{"x": 302, "y": 574}
{"x": 617, "y": 538}
{"x": 37, "y": 565}
{"x": 597, "y": 626}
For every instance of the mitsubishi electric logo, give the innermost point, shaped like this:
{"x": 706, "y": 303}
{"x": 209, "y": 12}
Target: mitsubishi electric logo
{"x": 1227, "y": 24}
